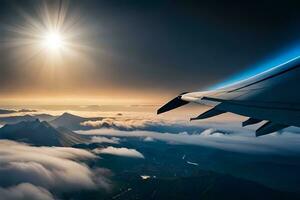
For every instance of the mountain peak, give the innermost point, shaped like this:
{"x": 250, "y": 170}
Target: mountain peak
{"x": 69, "y": 115}
{"x": 6, "y": 111}
{"x": 68, "y": 120}
{"x": 72, "y": 122}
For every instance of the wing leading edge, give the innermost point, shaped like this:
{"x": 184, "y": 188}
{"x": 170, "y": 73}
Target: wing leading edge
{"x": 271, "y": 96}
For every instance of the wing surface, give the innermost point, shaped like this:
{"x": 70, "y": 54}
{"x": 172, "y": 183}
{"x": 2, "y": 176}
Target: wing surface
{"x": 272, "y": 96}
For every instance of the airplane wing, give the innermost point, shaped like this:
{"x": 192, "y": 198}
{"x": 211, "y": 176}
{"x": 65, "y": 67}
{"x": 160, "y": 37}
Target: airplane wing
{"x": 272, "y": 96}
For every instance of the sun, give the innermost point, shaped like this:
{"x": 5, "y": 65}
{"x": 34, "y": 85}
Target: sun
{"x": 52, "y": 36}
{"x": 53, "y": 41}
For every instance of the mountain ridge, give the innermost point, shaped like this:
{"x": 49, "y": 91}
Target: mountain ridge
{"x": 40, "y": 134}
{"x": 72, "y": 122}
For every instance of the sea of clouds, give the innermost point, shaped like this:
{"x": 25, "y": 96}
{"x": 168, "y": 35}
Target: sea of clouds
{"x": 28, "y": 172}
{"x": 225, "y": 135}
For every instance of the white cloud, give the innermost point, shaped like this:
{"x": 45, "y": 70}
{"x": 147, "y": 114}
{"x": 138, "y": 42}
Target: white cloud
{"x": 155, "y": 124}
{"x": 95, "y": 124}
{"x": 119, "y": 152}
{"x": 25, "y": 191}
{"x": 56, "y": 169}
{"x": 239, "y": 141}
{"x": 148, "y": 139}
{"x": 211, "y": 131}
{"x": 122, "y": 123}
{"x": 112, "y": 140}
{"x": 144, "y": 124}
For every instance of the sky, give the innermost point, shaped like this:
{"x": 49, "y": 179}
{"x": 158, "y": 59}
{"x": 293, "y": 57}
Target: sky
{"x": 137, "y": 52}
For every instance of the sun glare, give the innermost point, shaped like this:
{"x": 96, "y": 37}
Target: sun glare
{"x": 48, "y": 37}
{"x": 53, "y": 41}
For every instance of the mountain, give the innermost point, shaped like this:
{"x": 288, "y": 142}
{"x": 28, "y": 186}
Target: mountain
{"x": 16, "y": 119}
{"x": 8, "y": 111}
{"x": 4, "y": 111}
{"x": 44, "y": 117}
{"x": 66, "y": 120}
{"x": 27, "y": 110}
{"x": 69, "y": 138}
{"x": 72, "y": 122}
{"x": 40, "y": 134}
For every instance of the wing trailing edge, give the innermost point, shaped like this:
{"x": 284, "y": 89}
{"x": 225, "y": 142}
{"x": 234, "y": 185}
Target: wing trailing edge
{"x": 208, "y": 114}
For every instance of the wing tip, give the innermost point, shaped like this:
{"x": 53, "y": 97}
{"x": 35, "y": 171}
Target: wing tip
{"x": 159, "y": 111}
{"x": 174, "y": 103}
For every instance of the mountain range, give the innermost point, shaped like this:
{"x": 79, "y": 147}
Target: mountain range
{"x": 17, "y": 119}
{"x": 8, "y": 111}
{"x": 66, "y": 120}
{"x": 5, "y": 111}
{"x": 44, "y": 129}
{"x": 40, "y": 133}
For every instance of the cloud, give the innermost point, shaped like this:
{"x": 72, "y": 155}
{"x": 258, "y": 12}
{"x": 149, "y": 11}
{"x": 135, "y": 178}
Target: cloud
{"x": 226, "y": 134}
{"x": 119, "y": 152}
{"x": 94, "y": 124}
{"x": 56, "y": 169}
{"x": 143, "y": 124}
{"x": 211, "y": 131}
{"x": 239, "y": 141}
{"x": 148, "y": 139}
{"x": 112, "y": 140}
{"x": 121, "y": 123}
{"x": 25, "y": 191}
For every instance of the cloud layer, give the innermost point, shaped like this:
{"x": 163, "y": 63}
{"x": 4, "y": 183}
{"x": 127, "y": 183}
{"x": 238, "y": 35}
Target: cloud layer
{"x": 30, "y": 170}
{"x": 112, "y": 140}
{"x": 148, "y": 124}
{"x": 238, "y": 141}
{"x": 224, "y": 133}
{"x": 122, "y": 123}
{"x": 25, "y": 191}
